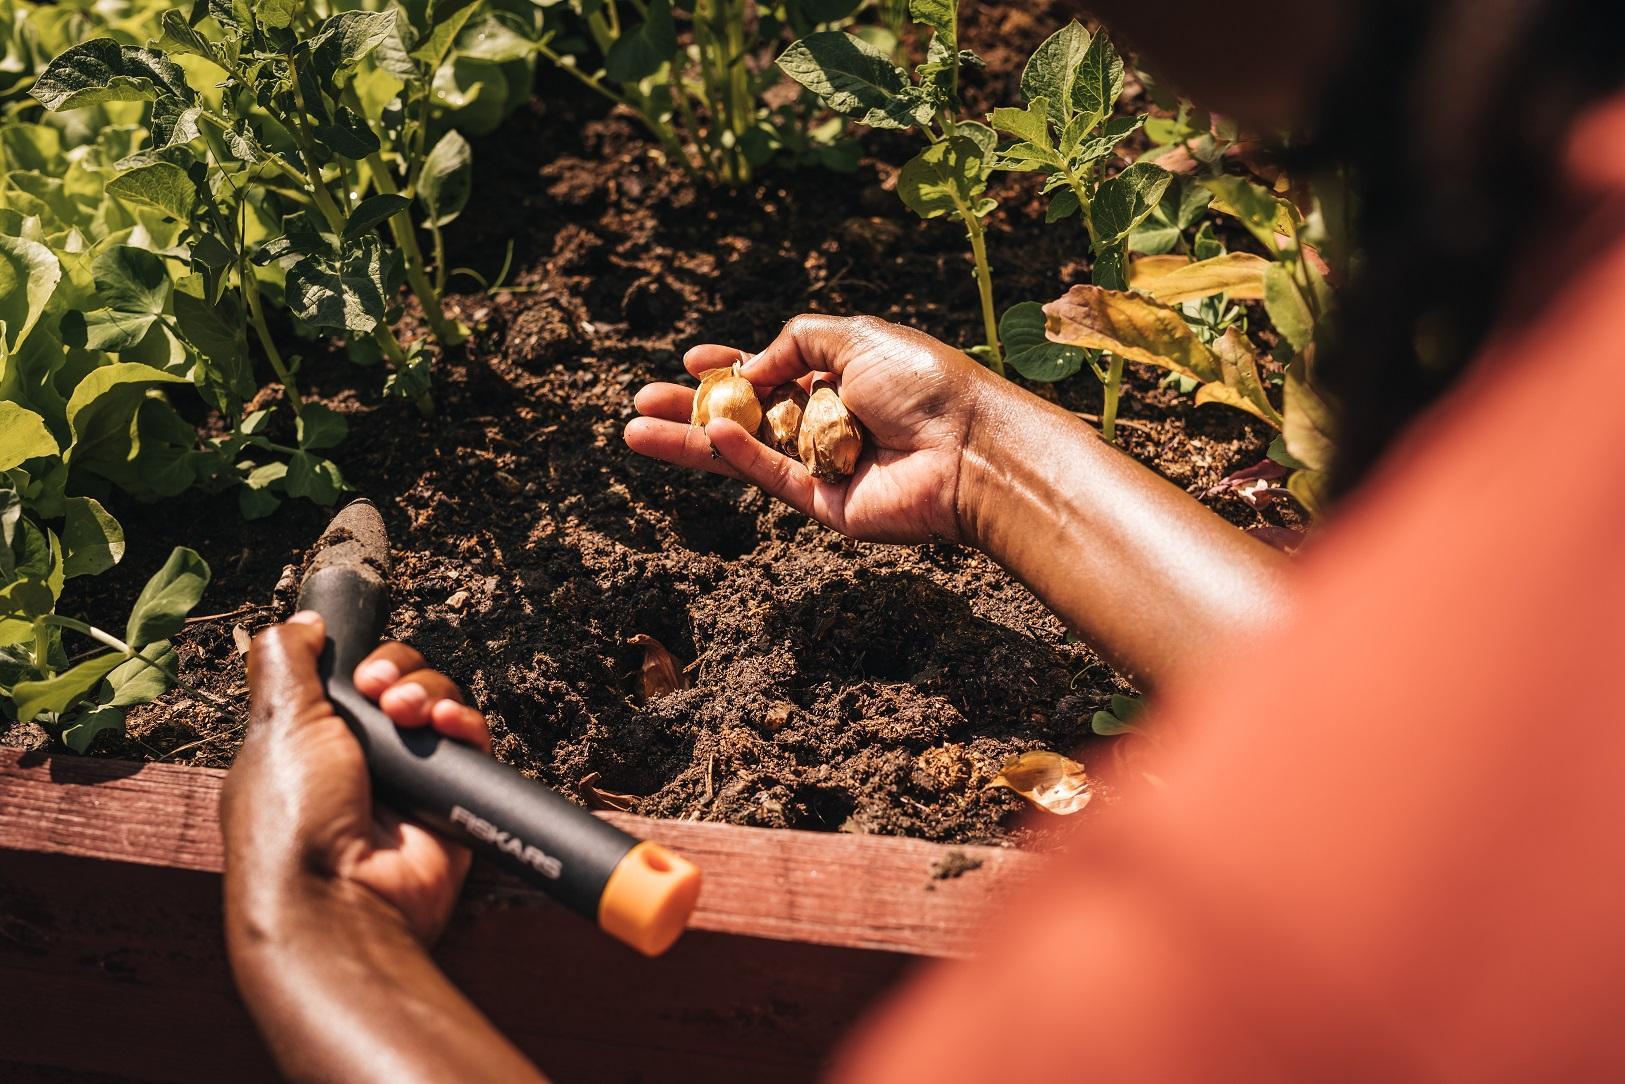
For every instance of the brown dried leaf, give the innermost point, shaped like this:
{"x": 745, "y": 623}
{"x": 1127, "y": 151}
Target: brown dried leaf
{"x": 1053, "y": 783}
{"x": 603, "y": 799}
{"x": 241, "y": 639}
{"x": 661, "y": 674}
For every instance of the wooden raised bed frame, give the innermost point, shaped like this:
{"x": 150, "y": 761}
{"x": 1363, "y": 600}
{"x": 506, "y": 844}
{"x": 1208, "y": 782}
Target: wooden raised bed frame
{"x": 112, "y": 959}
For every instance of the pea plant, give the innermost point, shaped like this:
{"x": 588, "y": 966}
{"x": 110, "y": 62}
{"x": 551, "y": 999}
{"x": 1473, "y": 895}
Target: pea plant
{"x": 703, "y": 99}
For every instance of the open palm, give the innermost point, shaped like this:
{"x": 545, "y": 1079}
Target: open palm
{"x": 916, "y": 399}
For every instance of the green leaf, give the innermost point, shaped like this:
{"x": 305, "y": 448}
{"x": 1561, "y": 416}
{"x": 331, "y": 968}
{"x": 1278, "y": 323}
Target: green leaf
{"x": 29, "y": 273}
{"x": 80, "y": 732}
{"x": 640, "y": 52}
{"x": 1126, "y": 200}
{"x": 1029, "y": 351}
{"x": 1030, "y": 125}
{"x": 447, "y": 178}
{"x": 945, "y": 178}
{"x": 277, "y": 14}
{"x": 23, "y": 436}
{"x": 57, "y": 694}
{"x": 855, "y": 79}
{"x": 176, "y": 35}
{"x": 344, "y": 292}
{"x": 135, "y": 286}
{"x": 373, "y": 211}
{"x": 941, "y": 16}
{"x": 133, "y": 682}
{"x": 93, "y": 539}
{"x": 1064, "y": 204}
{"x": 321, "y": 427}
{"x": 219, "y": 333}
{"x": 1053, "y": 72}
{"x": 344, "y": 40}
{"x": 1257, "y": 209}
{"x": 102, "y": 70}
{"x": 257, "y": 498}
{"x": 313, "y": 477}
{"x": 162, "y": 185}
{"x": 347, "y": 135}
{"x": 102, "y": 407}
{"x": 160, "y": 612}
{"x": 1287, "y": 309}
{"x": 1099, "y": 82}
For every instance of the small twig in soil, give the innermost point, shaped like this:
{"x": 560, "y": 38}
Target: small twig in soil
{"x": 250, "y": 608}
{"x": 710, "y": 774}
{"x": 1129, "y": 422}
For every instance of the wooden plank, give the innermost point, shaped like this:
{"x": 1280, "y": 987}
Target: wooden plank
{"x": 869, "y": 892}
{"x": 119, "y": 968}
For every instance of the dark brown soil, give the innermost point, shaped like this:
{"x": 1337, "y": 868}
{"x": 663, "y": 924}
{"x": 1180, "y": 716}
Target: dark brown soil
{"x": 531, "y": 546}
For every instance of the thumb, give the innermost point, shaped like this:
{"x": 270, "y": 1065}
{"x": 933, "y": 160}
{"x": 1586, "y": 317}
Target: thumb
{"x": 282, "y": 678}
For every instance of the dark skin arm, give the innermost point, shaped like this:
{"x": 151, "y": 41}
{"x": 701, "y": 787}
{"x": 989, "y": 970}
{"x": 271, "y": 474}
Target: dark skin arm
{"x": 330, "y": 904}
{"x": 1133, "y": 563}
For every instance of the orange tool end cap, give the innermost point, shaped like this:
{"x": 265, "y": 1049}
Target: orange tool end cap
{"x": 648, "y": 898}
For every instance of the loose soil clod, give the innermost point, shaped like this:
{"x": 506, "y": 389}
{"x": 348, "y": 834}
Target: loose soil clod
{"x": 913, "y": 674}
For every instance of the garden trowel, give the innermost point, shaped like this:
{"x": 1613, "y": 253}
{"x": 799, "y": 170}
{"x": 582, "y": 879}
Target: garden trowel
{"x": 636, "y": 890}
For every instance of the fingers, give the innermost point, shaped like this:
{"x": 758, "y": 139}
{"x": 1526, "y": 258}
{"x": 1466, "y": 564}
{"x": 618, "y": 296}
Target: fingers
{"x": 673, "y": 402}
{"x": 707, "y": 356}
{"x": 675, "y": 442}
{"x": 282, "y": 682}
{"x": 384, "y": 667}
{"x": 461, "y": 722}
{"x": 778, "y": 475}
{"x": 808, "y": 344}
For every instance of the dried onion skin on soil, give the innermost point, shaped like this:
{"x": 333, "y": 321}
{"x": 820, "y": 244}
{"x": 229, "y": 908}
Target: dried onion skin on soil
{"x": 830, "y": 439}
{"x": 723, "y": 393}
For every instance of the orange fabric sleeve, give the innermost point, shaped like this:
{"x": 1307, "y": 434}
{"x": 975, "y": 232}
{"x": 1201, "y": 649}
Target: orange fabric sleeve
{"x": 1391, "y": 840}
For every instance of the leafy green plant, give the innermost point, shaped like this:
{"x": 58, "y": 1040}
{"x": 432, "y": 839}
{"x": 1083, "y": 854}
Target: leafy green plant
{"x": 703, "y": 100}
{"x": 1166, "y": 320}
{"x": 1119, "y": 718}
{"x": 949, "y": 177}
{"x": 80, "y": 696}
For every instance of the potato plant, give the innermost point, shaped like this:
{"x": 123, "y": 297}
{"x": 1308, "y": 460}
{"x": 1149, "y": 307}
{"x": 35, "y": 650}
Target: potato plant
{"x": 1181, "y": 313}
{"x": 703, "y": 101}
{"x": 1065, "y": 131}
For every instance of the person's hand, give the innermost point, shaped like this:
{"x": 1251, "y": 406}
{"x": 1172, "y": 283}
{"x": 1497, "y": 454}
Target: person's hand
{"x": 297, "y": 808}
{"x": 918, "y": 400}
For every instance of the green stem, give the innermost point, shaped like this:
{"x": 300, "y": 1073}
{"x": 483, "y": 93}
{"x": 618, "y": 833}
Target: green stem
{"x": 1114, "y": 392}
{"x": 405, "y": 234}
{"x": 984, "y": 286}
{"x": 256, "y": 317}
{"x": 42, "y": 648}
{"x": 107, "y": 639}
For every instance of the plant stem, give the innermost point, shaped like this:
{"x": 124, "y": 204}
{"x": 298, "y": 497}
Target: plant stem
{"x": 107, "y": 639}
{"x": 1114, "y": 392}
{"x": 256, "y": 317}
{"x": 984, "y": 286}
{"x": 405, "y": 234}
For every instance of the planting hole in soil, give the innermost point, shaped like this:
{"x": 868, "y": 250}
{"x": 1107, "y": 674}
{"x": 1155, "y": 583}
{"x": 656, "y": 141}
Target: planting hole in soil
{"x": 803, "y": 680}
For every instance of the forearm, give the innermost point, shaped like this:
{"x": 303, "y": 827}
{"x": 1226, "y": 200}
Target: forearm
{"x": 1135, "y": 565}
{"x": 342, "y": 991}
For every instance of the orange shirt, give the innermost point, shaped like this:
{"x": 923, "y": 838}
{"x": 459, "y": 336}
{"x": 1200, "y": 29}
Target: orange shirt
{"x": 1391, "y": 841}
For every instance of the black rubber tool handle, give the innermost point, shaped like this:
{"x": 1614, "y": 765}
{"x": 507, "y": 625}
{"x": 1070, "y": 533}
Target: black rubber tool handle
{"x": 636, "y": 890}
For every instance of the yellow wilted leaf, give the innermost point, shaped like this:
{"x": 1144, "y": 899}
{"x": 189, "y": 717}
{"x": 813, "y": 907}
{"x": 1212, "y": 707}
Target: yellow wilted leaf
{"x": 1053, "y": 783}
{"x": 1240, "y": 386}
{"x": 1131, "y": 327}
{"x": 661, "y": 674}
{"x": 1240, "y": 275}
